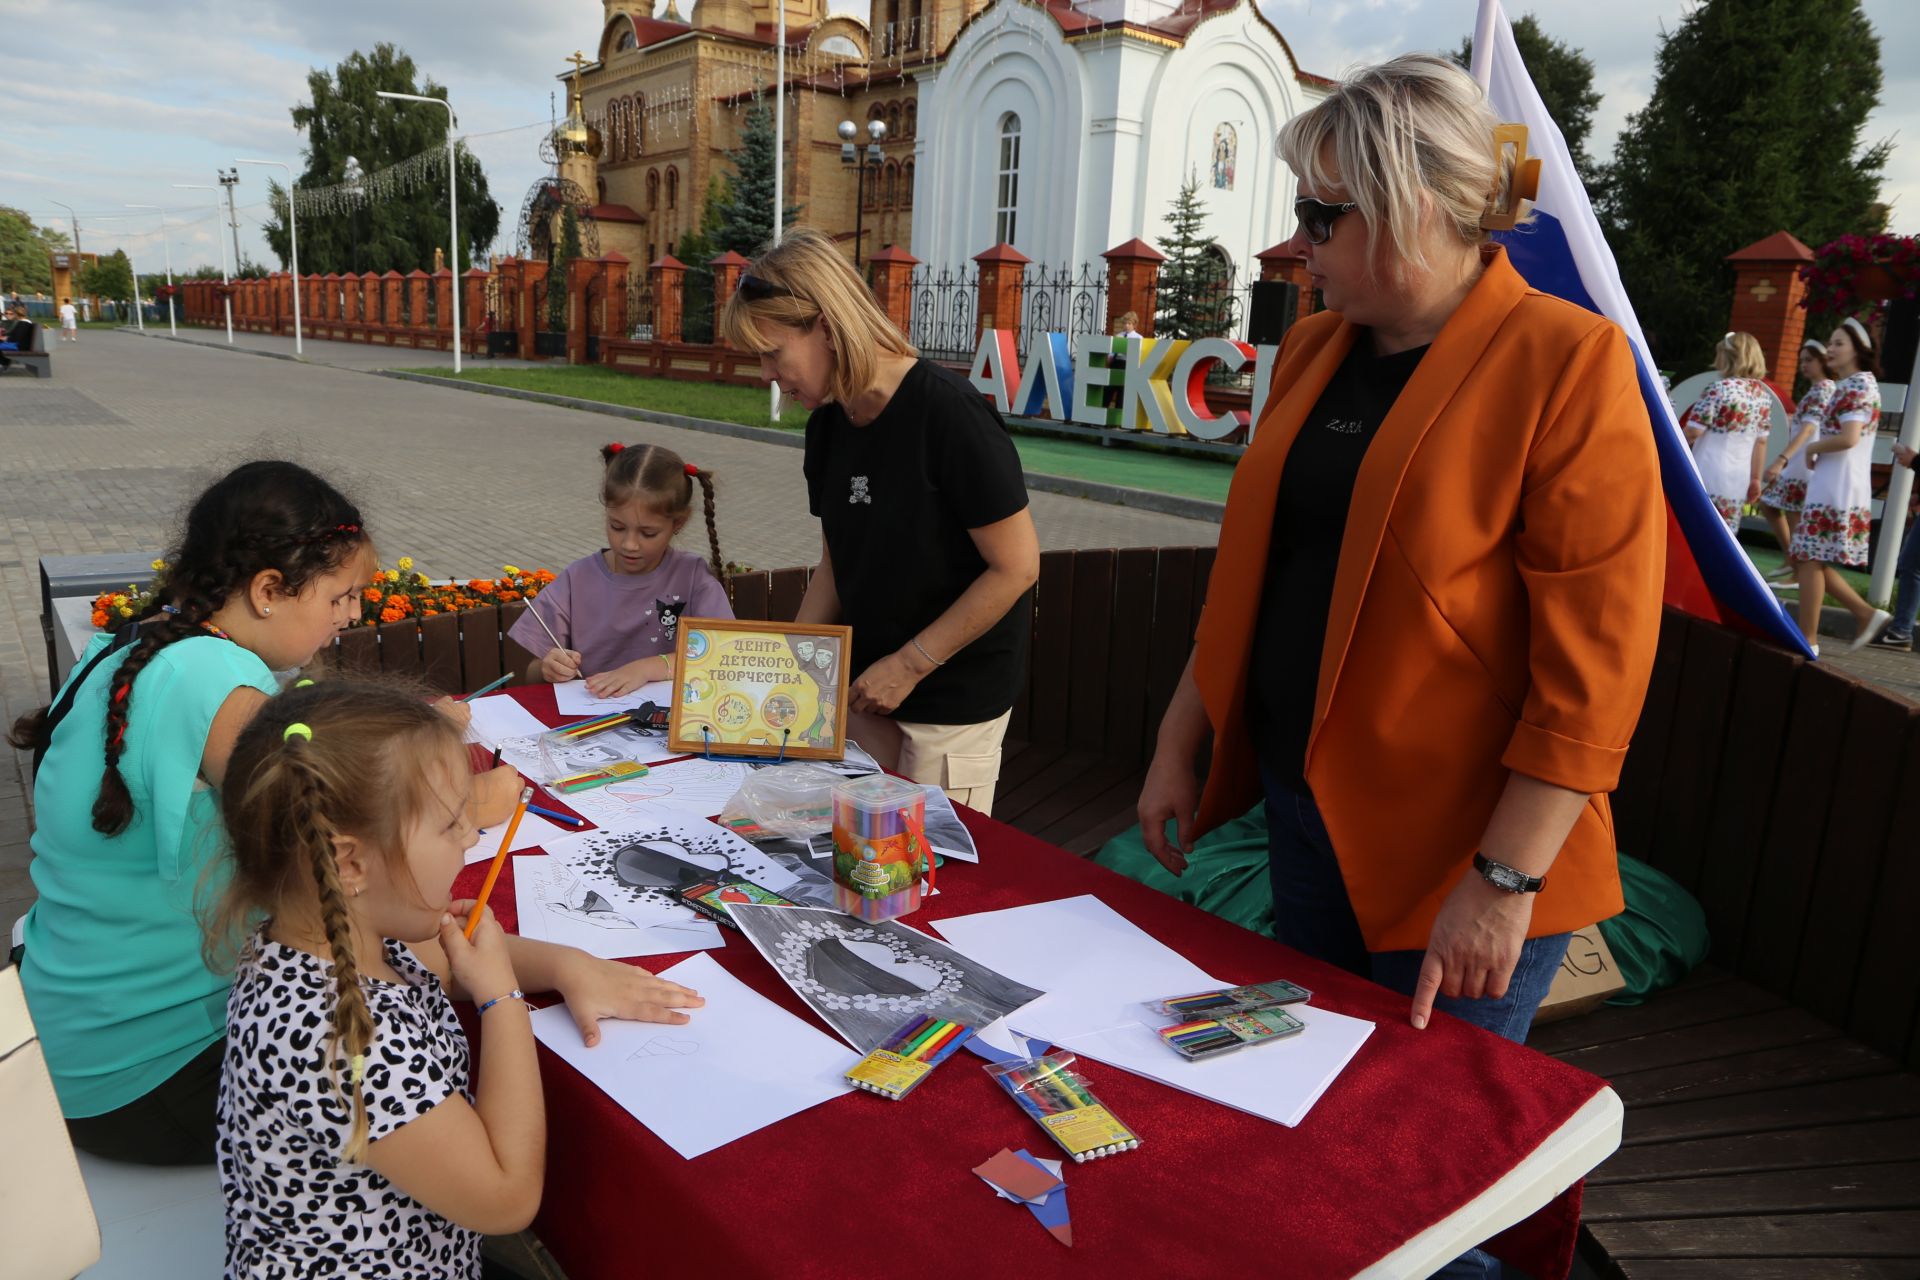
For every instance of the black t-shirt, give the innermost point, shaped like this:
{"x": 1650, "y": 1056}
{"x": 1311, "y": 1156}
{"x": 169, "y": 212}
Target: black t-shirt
{"x": 896, "y": 499}
{"x": 1309, "y": 520}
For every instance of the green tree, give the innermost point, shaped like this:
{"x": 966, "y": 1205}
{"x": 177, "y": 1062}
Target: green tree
{"x": 1192, "y": 300}
{"x": 399, "y": 233}
{"x": 1564, "y": 77}
{"x": 24, "y": 247}
{"x": 746, "y": 212}
{"x": 1754, "y": 126}
{"x": 565, "y": 250}
{"x": 111, "y": 278}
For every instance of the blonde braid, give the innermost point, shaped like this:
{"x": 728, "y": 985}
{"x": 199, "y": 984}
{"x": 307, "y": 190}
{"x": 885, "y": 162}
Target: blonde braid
{"x": 352, "y": 1020}
{"x": 705, "y": 477}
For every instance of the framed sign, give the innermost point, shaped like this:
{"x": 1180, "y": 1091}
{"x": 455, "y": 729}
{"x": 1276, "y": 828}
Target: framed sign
{"x": 748, "y": 688}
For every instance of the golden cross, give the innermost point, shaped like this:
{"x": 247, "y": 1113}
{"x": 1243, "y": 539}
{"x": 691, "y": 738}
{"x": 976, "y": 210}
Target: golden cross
{"x": 1763, "y": 290}
{"x": 578, "y": 60}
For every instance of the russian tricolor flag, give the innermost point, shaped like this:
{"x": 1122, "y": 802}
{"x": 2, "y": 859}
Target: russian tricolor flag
{"x": 1561, "y": 252}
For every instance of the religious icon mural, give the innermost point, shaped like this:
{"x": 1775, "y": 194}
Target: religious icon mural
{"x": 1226, "y": 150}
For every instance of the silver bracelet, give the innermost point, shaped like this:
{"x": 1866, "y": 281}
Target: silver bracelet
{"x": 511, "y": 995}
{"x": 923, "y": 653}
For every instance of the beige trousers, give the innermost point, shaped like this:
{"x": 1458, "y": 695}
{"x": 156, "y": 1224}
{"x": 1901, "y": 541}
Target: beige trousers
{"x": 961, "y": 759}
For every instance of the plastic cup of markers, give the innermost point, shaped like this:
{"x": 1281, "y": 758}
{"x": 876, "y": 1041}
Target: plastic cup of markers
{"x": 880, "y": 857}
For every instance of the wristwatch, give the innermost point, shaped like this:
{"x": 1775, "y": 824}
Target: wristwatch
{"x": 1505, "y": 878}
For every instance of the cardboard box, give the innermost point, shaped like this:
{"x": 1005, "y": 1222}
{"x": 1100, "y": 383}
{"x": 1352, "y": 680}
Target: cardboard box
{"x": 1586, "y": 978}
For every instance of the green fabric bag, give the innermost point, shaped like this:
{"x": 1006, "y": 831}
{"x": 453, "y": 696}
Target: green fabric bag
{"x": 1661, "y": 935}
{"x": 1226, "y": 873}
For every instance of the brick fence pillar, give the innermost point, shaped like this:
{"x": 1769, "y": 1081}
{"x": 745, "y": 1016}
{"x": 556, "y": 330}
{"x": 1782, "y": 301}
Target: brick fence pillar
{"x": 1002, "y": 276}
{"x": 1767, "y": 290}
{"x": 1133, "y": 283}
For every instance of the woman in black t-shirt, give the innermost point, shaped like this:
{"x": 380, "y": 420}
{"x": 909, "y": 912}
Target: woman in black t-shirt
{"x": 928, "y": 549}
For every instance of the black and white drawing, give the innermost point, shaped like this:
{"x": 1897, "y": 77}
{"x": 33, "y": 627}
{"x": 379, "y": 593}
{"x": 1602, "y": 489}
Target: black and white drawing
{"x": 547, "y": 758}
{"x": 641, "y": 869}
{"x": 558, "y": 904}
{"x": 866, "y": 978}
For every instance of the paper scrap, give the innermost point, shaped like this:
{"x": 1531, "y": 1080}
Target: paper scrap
{"x": 557, "y": 905}
{"x": 739, "y": 1064}
{"x": 1019, "y": 1178}
{"x": 1051, "y": 1211}
{"x": 499, "y": 716}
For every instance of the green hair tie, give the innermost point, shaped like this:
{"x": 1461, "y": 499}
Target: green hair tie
{"x": 301, "y": 684}
{"x": 296, "y": 730}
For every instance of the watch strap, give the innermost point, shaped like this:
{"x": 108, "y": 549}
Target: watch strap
{"x": 1510, "y": 879}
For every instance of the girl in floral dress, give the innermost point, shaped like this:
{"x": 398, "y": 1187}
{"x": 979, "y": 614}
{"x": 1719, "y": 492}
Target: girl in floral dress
{"x": 1786, "y": 490}
{"x": 1727, "y": 427}
{"x": 1838, "y": 515}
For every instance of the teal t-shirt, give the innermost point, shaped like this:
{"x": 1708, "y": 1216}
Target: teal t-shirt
{"x": 113, "y": 970}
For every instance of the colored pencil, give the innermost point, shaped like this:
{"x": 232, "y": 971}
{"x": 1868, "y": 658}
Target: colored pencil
{"x": 486, "y": 689}
{"x": 499, "y": 860}
{"x": 496, "y": 759}
{"x": 939, "y": 1041}
{"x": 544, "y": 627}
{"x": 557, "y": 816}
{"x": 586, "y": 727}
{"x": 921, "y": 1037}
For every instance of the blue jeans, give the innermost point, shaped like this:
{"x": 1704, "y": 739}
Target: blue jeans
{"x": 1312, "y": 914}
{"x": 1906, "y": 591}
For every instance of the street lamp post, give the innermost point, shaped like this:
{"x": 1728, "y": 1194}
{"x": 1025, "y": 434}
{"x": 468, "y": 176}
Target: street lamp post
{"x": 166, "y": 246}
{"x": 861, "y": 162}
{"x": 74, "y": 219}
{"x": 226, "y": 282}
{"x": 293, "y": 233}
{"x": 453, "y": 208}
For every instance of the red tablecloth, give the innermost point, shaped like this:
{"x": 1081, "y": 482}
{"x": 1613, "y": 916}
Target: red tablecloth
{"x": 1419, "y": 1124}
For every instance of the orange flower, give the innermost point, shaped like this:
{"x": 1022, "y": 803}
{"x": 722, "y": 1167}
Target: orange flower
{"x": 373, "y": 595}
{"x": 390, "y": 614}
{"x": 99, "y": 617}
{"x": 507, "y": 596}
{"x": 429, "y": 613}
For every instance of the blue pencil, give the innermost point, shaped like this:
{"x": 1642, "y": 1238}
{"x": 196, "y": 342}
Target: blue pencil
{"x": 567, "y": 818}
{"x": 469, "y": 697}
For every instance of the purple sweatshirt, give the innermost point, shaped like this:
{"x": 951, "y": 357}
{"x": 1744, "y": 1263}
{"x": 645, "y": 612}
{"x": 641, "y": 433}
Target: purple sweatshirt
{"x": 612, "y": 619}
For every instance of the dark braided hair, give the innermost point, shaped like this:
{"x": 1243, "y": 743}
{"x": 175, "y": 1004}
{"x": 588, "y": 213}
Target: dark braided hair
{"x": 664, "y": 481}
{"x": 365, "y": 771}
{"x": 261, "y": 516}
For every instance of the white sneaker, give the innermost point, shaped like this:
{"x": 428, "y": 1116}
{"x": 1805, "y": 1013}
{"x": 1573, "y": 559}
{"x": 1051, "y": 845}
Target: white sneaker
{"x": 1875, "y": 625}
{"x": 1815, "y": 648}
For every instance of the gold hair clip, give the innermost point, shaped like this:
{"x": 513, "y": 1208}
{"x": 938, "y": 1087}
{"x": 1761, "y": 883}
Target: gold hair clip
{"x": 296, "y": 730}
{"x": 1526, "y": 178}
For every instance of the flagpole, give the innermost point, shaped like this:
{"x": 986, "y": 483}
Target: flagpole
{"x": 1483, "y": 43}
{"x": 1893, "y": 515}
{"x": 779, "y": 163}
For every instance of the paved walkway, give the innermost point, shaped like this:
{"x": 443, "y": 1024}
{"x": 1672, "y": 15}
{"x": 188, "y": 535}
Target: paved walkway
{"x": 102, "y": 458}
{"x": 338, "y": 355}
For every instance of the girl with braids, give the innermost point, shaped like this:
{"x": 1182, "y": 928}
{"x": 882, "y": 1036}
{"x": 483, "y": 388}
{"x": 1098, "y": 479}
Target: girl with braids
{"x": 269, "y": 563}
{"x": 618, "y": 611}
{"x": 351, "y": 1139}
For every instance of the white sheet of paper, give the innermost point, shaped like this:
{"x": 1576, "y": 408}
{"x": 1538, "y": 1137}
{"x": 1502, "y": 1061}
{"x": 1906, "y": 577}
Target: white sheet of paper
{"x": 556, "y": 905}
{"x": 572, "y": 698}
{"x": 694, "y": 788}
{"x": 498, "y": 717}
{"x": 1093, "y": 1006}
{"x": 534, "y": 832}
{"x": 740, "y": 1064}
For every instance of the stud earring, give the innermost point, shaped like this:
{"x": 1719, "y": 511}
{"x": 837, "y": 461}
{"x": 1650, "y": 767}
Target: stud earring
{"x": 266, "y": 613}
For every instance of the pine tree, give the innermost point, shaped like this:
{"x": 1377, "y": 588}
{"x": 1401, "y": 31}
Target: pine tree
{"x": 746, "y": 213}
{"x": 1754, "y": 126}
{"x": 1192, "y": 299}
{"x": 565, "y": 250}
{"x": 1564, "y": 77}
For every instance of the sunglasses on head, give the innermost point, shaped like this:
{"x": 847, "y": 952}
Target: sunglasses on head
{"x": 756, "y": 289}
{"x": 1316, "y": 217}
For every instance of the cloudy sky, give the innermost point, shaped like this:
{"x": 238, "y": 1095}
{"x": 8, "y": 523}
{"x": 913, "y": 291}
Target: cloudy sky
{"x": 125, "y": 98}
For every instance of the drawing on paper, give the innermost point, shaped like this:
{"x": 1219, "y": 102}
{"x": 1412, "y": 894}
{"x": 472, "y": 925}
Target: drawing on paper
{"x": 664, "y": 1047}
{"x": 640, "y": 870}
{"x": 866, "y": 978}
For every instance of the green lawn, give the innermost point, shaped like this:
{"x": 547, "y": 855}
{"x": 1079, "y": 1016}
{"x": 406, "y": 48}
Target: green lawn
{"x": 1766, "y": 556}
{"x": 1045, "y": 455}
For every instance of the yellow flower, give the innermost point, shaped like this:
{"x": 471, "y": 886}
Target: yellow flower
{"x": 158, "y": 566}
{"x": 393, "y": 575}
{"x": 125, "y": 612}
{"x": 513, "y": 570}
{"x": 119, "y": 599}
{"x": 406, "y": 564}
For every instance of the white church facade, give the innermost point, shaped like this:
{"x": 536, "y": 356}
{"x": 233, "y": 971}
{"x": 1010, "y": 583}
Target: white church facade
{"x": 1066, "y": 128}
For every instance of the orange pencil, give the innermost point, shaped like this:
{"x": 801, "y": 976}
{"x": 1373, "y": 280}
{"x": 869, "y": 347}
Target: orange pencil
{"x": 499, "y": 859}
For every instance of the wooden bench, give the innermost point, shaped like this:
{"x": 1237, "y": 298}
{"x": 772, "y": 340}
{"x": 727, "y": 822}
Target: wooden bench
{"x": 37, "y": 362}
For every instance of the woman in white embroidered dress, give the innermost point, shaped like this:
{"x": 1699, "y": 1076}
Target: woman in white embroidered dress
{"x": 1838, "y": 515}
{"x": 1727, "y": 427}
{"x": 1786, "y": 477}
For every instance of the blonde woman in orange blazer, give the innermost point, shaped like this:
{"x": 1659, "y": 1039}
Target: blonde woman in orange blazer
{"x": 1434, "y": 607}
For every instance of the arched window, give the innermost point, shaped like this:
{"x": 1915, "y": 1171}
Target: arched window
{"x": 600, "y": 190}
{"x": 626, "y": 40}
{"x": 653, "y": 190}
{"x": 840, "y": 47}
{"x": 906, "y": 185}
{"x": 1006, "y": 209}
{"x": 673, "y": 188}
{"x": 877, "y": 111}
{"x": 637, "y": 118}
{"x": 893, "y": 121}
{"x": 910, "y": 118}
{"x": 890, "y": 188}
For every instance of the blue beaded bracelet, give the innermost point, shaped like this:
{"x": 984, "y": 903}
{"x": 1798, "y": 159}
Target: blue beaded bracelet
{"x": 511, "y": 995}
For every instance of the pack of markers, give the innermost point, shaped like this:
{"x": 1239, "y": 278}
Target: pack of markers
{"x": 1209, "y": 1023}
{"x": 1059, "y": 1100}
{"x": 899, "y": 1063}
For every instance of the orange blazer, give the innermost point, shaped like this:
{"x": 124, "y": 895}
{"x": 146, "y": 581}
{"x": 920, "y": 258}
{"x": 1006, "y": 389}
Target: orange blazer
{"x": 1495, "y": 608}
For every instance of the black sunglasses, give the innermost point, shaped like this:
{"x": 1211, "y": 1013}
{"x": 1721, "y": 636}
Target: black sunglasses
{"x": 756, "y": 289}
{"x": 1316, "y": 217}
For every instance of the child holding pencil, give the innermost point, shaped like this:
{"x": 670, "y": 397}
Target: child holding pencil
{"x": 351, "y": 1138}
{"x": 613, "y": 616}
